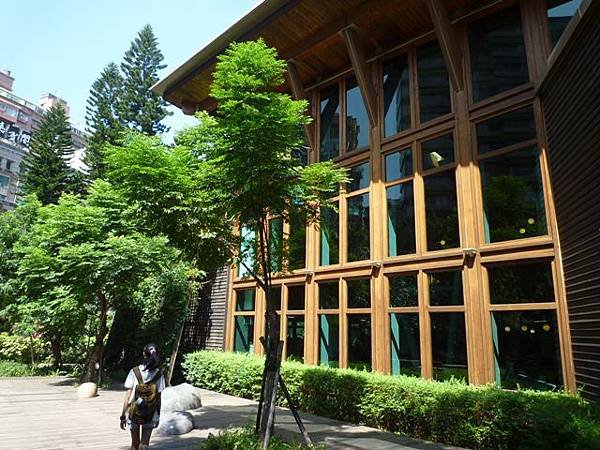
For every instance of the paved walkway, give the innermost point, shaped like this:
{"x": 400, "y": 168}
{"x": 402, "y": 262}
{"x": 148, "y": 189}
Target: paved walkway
{"x": 45, "y": 413}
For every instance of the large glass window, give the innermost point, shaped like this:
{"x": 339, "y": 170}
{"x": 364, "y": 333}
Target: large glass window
{"x": 297, "y": 242}
{"x": 359, "y": 341}
{"x": 276, "y": 244}
{"x": 498, "y": 57}
{"x": 358, "y": 236}
{"x": 360, "y": 177}
{"x": 441, "y": 211}
{"x": 396, "y": 95}
{"x": 434, "y": 87}
{"x": 445, "y": 288}
{"x": 330, "y": 123}
{"x": 296, "y": 297}
{"x": 437, "y": 152}
{"x": 559, "y": 14}
{"x": 329, "y": 340}
{"x": 357, "y": 121}
{"x": 329, "y": 295}
{"x": 244, "y": 334}
{"x": 398, "y": 165}
{"x": 295, "y": 337}
{"x": 401, "y": 219}
{"x": 448, "y": 345}
{"x": 526, "y": 349}
{"x": 405, "y": 344}
{"x": 330, "y": 236}
{"x": 245, "y": 299}
{"x": 403, "y": 290}
{"x": 521, "y": 283}
{"x": 359, "y": 293}
{"x": 247, "y": 242}
{"x": 505, "y": 129}
{"x": 513, "y": 196}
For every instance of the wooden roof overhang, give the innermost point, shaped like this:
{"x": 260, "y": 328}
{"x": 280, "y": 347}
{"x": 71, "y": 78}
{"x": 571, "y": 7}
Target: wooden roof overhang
{"x": 321, "y": 39}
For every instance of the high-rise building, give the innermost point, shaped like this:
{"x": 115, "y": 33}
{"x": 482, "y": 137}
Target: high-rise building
{"x": 19, "y": 118}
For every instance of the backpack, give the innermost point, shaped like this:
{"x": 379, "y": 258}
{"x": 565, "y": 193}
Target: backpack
{"x": 145, "y": 400}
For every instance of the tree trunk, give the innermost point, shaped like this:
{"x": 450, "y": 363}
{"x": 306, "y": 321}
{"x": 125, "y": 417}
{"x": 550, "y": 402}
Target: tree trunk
{"x": 56, "y": 352}
{"x": 96, "y": 353}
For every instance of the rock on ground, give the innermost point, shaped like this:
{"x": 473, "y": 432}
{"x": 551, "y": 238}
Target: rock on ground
{"x": 87, "y": 390}
{"x": 182, "y": 397}
{"x": 176, "y": 422}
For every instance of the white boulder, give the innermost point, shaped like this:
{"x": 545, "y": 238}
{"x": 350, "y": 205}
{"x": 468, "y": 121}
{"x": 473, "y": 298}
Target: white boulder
{"x": 182, "y": 397}
{"x": 87, "y": 390}
{"x": 174, "y": 423}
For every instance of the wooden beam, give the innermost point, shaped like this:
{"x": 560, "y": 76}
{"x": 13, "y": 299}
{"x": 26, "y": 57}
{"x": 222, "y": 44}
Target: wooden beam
{"x": 359, "y": 64}
{"x": 295, "y": 83}
{"x": 448, "y": 42}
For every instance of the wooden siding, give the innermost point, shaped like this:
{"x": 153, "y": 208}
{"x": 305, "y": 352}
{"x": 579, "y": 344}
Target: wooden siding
{"x": 205, "y": 326}
{"x": 571, "y": 105}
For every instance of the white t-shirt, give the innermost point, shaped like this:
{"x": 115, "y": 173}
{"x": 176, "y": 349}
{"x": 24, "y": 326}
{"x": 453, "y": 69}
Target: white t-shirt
{"x": 147, "y": 375}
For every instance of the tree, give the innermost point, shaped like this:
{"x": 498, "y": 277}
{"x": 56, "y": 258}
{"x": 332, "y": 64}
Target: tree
{"x": 248, "y": 149}
{"x": 83, "y": 260}
{"x": 102, "y": 117}
{"x": 140, "y": 108}
{"x": 46, "y": 173}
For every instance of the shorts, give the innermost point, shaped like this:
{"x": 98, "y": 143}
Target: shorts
{"x": 135, "y": 426}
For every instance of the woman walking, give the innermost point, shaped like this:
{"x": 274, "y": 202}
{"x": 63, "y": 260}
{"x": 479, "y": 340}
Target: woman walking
{"x": 144, "y": 385}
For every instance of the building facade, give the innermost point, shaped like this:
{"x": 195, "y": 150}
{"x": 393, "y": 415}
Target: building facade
{"x": 18, "y": 120}
{"x": 444, "y": 258}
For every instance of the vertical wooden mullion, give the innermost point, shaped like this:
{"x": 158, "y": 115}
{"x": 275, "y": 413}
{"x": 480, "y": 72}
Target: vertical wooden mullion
{"x": 343, "y": 321}
{"x": 284, "y": 310}
{"x": 419, "y": 193}
{"x": 424, "y": 326}
{"x": 535, "y": 46}
{"x": 259, "y": 319}
{"x": 310, "y": 322}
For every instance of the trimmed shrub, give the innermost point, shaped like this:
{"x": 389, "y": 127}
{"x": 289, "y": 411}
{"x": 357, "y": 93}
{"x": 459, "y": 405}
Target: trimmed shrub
{"x": 450, "y": 412}
{"x": 14, "y": 369}
{"x": 245, "y": 439}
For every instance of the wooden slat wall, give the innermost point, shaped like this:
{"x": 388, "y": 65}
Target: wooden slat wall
{"x": 571, "y": 106}
{"x": 205, "y": 327}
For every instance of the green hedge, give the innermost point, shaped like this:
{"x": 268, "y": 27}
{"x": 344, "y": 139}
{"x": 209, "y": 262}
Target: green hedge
{"x": 448, "y": 412}
{"x": 245, "y": 439}
{"x": 14, "y": 369}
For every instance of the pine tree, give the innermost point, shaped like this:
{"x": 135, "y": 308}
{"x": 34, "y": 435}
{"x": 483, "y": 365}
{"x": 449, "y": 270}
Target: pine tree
{"x": 103, "y": 118}
{"x": 140, "y": 107}
{"x": 46, "y": 173}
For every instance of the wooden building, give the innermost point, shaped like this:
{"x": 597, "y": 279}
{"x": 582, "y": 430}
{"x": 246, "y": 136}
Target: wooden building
{"x": 445, "y": 258}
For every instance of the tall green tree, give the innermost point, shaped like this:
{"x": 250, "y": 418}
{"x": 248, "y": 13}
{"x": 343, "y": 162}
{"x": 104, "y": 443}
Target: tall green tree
{"x": 103, "y": 118}
{"x": 46, "y": 173}
{"x": 141, "y": 108}
{"x": 248, "y": 148}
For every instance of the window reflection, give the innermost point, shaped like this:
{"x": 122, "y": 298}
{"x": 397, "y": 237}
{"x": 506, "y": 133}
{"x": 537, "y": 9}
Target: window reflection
{"x": 245, "y": 300}
{"x": 360, "y": 177}
{"x": 403, "y": 290}
{"x": 445, "y": 288}
{"x": 359, "y": 341}
{"x": 359, "y": 293}
{"x": 506, "y": 129}
{"x": 297, "y": 242}
{"x": 497, "y": 50}
{"x": 526, "y": 349}
{"x": 401, "y": 219}
{"x": 521, "y": 283}
{"x": 437, "y": 152}
{"x": 330, "y": 123}
{"x": 559, "y": 14}
{"x": 330, "y": 236}
{"x": 276, "y": 244}
{"x": 329, "y": 295}
{"x": 441, "y": 211}
{"x": 449, "y": 346}
{"x": 405, "y": 345}
{"x": 357, "y": 121}
{"x": 329, "y": 340}
{"x": 358, "y": 240}
{"x": 398, "y": 165}
{"x": 396, "y": 95}
{"x": 295, "y": 338}
{"x": 244, "y": 334}
{"x": 513, "y": 196}
{"x": 434, "y": 87}
{"x": 296, "y": 298}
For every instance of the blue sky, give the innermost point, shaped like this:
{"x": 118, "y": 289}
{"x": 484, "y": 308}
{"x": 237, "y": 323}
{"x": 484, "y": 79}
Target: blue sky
{"x": 61, "y": 46}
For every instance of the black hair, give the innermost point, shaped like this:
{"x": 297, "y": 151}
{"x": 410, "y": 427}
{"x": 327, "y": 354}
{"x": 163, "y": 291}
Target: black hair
{"x": 151, "y": 360}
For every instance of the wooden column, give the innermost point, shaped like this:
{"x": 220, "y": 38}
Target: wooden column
{"x": 295, "y": 83}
